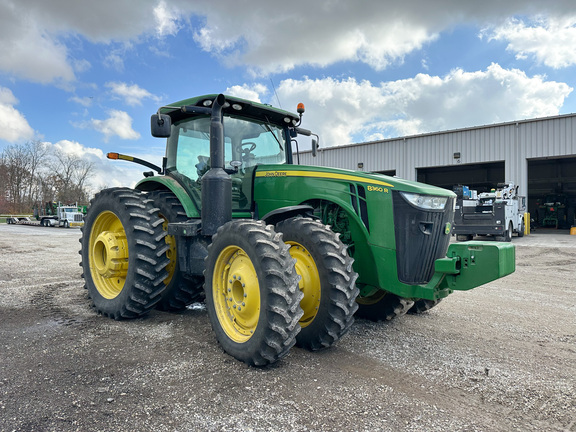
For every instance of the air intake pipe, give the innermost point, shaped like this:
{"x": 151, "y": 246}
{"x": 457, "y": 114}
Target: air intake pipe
{"x": 216, "y": 183}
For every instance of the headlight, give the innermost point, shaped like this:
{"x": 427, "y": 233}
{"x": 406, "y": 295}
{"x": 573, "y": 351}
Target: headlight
{"x": 427, "y": 202}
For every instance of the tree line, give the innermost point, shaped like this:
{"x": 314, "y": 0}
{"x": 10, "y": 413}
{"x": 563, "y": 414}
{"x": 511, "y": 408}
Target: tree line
{"x": 34, "y": 173}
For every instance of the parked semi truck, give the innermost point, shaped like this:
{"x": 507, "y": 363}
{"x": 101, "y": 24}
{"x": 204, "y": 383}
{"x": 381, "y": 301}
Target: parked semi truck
{"x": 52, "y": 214}
{"x": 58, "y": 214}
{"x": 499, "y": 213}
{"x": 284, "y": 254}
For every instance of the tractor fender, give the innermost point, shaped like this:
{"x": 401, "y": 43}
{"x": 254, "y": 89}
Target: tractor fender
{"x": 154, "y": 183}
{"x": 283, "y": 213}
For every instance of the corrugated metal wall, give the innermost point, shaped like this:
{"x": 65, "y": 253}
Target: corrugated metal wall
{"x": 513, "y": 143}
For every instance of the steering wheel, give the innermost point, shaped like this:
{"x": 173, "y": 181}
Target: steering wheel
{"x": 246, "y": 149}
{"x": 246, "y": 144}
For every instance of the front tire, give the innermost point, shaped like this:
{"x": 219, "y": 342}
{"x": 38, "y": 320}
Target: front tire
{"x": 252, "y": 294}
{"x": 328, "y": 281}
{"x": 123, "y": 253}
{"x": 507, "y": 237}
{"x": 508, "y": 234}
{"x": 179, "y": 291}
{"x": 382, "y": 306}
{"x": 521, "y": 229}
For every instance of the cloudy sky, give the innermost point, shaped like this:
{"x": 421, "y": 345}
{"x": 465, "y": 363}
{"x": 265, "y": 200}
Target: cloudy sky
{"x": 84, "y": 76}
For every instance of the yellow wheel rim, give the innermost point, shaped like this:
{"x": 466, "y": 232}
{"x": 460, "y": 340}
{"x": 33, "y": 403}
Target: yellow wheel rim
{"x": 309, "y": 283}
{"x": 372, "y": 299}
{"x": 170, "y": 253}
{"x": 108, "y": 255}
{"x": 236, "y": 293}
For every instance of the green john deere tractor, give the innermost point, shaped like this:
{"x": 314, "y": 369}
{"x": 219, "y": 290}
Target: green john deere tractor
{"x": 284, "y": 254}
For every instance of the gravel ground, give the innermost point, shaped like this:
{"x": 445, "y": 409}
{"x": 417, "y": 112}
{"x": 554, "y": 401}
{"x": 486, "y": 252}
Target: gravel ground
{"x": 501, "y": 357}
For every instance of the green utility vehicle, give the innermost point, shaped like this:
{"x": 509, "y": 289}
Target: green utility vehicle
{"x": 284, "y": 254}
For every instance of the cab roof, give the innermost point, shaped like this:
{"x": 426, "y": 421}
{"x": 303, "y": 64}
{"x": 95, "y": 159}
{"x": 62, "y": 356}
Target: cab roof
{"x": 236, "y": 106}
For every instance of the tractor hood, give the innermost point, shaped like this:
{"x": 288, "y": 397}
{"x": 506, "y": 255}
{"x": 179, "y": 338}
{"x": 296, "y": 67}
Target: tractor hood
{"x": 374, "y": 180}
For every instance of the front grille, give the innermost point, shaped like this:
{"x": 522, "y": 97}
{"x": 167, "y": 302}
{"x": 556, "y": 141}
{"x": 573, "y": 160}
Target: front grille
{"x": 420, "y": 239}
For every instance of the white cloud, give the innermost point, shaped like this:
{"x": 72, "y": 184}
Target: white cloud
{"x": 84, "y": 101}
{"x": 266, "y": 39}
{"x": 166, "y": 19}
{"x": 251, "y": 92}
{"x": 325, "y": 32}
{"x": 118, "y": 124}
{"x": 27, "y": 50}
{"x": 106, "y": 172}
{"x": 13, "y": 125}
{"x": 348, "y": 111}
{"x": 81, "y": 65}
{"x": 550, "y": 41}
{"x": 76, "y": 149}
{"x": 32, "y": 34}
{"x": 114, "y": 61}
{"x": 132, "y": 94}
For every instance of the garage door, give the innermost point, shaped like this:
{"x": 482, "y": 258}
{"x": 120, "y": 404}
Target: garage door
{"x": 481, "y": 177}
{"x": 553, "y": 181}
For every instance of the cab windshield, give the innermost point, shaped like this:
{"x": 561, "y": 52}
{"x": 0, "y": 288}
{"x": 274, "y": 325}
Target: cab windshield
{"x": 247, "y": 143}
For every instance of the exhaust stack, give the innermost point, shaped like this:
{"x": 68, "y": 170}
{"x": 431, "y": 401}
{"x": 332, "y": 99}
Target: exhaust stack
{"x": 216, "y": 183}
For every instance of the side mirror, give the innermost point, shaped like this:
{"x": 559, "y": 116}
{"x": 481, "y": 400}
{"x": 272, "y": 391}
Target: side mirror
{"x": 160, "y": 125}
{"x": 302, "y": 131}
{"x": 314, "y": 147}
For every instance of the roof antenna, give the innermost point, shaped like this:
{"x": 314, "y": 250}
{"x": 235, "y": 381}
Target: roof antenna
{"x": 277, "y": 98}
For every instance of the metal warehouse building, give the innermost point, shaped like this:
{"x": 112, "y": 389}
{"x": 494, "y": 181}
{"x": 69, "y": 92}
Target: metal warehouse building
{"x": 539, "y": 155}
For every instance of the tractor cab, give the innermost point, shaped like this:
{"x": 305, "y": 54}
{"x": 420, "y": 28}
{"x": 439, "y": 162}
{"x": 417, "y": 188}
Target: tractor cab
{"x": 252, "y": 134}
{"x": 247, "y": 143}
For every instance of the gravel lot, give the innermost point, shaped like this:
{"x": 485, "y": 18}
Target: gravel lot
{"x": 501, "y": 357}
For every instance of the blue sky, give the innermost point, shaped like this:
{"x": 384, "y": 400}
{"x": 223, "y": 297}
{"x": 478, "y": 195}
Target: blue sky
{"x": 85, "y": 76}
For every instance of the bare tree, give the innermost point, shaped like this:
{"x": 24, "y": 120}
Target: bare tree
{"x": 32, "y": 174}
{"x": 37, "y": 158}
{"x": 71, "y": 173}
{"x": 4, "y": 204}
{"x": 16, "y": 175}
{"x": 84, "y": 169}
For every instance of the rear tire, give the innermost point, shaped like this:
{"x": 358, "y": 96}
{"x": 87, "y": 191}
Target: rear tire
{"x": 252, "y": 294}
{"x": 422, "y": 305}
{"x": 123, "y": 253}
{"x": 180, "y": 291}
{"x": 382, "y": 306}
{"x": 327, "y": 281}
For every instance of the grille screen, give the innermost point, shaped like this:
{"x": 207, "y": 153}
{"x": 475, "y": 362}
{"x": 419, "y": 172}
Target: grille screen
{"x": 420, "y": 239}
